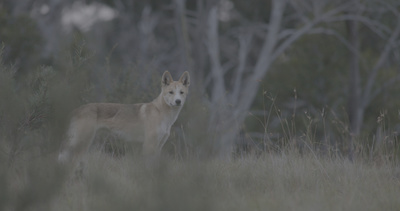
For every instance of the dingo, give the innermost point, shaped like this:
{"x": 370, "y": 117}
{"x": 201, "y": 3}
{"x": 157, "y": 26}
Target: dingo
{"x": 149, "y": 123}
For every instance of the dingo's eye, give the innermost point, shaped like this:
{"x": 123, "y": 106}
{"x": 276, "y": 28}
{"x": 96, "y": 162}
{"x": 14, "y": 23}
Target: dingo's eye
{"x": 181, "y": 93}
{"x": 171, "y": 92}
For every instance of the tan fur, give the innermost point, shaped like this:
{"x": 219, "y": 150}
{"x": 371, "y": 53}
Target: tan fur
{"x": 149, "y": 123}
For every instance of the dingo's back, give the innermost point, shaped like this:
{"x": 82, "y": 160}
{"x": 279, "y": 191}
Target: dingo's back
{"x": 149, "y": 123}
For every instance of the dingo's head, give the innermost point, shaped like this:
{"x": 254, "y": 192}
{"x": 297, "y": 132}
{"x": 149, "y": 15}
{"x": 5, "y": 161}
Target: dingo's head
{"x": 174, "y": 92}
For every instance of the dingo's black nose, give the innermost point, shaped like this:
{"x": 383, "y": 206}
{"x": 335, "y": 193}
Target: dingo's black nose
{"x": 178, "y": 102}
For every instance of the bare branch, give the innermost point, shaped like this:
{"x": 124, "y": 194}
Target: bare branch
{"x": 244, "y": 47}
{"x": 212, "y": 44}
{"x": 298, "y": 7}
{"x": 271, "y": 39}
{"x": 334, "y": 33}
{"x": 392, "y": 8}
{"x": 264, "y": 59}
{"x": 182, "y": 33}
{"x": 290, "y": 40}
{"x": 334, "y": 12}
{"x": 305, "y": 29}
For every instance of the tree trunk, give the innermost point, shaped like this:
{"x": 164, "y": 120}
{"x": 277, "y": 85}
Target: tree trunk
{"x": 355, "y": 105}
{"x": 229, "y": 114}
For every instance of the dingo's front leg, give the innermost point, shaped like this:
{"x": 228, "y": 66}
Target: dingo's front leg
{"x": 152, "y": 147}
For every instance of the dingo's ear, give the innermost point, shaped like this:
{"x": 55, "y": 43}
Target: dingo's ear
{"x": 185, "y": 78}
{"x": 166, "y": 79}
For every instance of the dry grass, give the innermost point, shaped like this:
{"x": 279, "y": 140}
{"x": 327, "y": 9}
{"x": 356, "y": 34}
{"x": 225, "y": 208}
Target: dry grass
{"x": 274, "y": 182}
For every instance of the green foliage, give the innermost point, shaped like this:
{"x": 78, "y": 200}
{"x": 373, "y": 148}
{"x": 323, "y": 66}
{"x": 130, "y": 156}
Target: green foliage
{"x": 37, "y": 103}
{"x": 34, "y": 110}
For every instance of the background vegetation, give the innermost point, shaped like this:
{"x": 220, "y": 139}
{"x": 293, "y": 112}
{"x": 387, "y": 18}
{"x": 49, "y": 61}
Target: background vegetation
{"x": 298, "y": 98}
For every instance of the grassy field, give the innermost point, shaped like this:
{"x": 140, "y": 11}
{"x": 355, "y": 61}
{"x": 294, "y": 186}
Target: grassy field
{"x": 285, "y": 181}
{"x": 35, "y": 114}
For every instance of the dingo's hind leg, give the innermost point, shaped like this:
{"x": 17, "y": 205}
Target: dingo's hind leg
{"x": 80, "y": 136}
